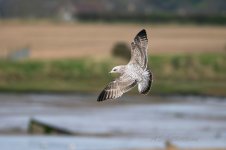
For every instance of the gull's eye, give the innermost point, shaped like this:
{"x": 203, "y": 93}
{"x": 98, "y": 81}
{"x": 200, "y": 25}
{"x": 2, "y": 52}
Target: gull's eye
{"x": 114, "y": 69}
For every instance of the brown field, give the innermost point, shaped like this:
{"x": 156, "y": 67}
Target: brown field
{"x": 49, "y": 40}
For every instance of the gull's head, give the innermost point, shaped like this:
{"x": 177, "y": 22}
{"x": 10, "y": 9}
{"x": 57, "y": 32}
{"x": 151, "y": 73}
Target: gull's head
{"x": 117, "y": 69}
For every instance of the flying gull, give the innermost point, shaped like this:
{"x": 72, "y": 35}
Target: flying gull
{"x": 135, "y": 72}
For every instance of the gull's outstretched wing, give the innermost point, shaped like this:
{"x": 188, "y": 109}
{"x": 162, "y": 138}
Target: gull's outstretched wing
{"x": 116, "y": 88}
{"x": 139, "y": 50}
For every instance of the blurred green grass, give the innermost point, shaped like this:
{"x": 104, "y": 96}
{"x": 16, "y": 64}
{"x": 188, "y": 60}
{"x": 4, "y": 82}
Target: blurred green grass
{"x": 203, "y": 74}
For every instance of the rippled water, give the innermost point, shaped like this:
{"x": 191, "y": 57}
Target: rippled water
{"x": 130, "y": 122}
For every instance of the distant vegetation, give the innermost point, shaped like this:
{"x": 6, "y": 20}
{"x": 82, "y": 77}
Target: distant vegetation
{"x": 182, "y": 11}
{"x": 178, "y": 74}
{"x": 121, "y": 50}
{"x": 158, "y": 18}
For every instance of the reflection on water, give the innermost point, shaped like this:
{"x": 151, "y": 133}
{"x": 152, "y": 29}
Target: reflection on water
{"x": 132, "y": 121}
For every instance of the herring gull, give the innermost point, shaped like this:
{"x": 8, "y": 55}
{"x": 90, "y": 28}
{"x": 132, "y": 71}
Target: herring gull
{"x": 136, "y": 72}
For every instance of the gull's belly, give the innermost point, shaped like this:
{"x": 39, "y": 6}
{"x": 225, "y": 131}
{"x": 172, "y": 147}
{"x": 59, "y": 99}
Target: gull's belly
{"x": 135, "y": 72}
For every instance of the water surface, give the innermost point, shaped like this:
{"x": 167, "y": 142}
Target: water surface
{"x": 130, "y": 122}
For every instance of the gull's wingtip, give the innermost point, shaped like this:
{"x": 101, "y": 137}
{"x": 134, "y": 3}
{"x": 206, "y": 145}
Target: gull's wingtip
{"x": 142, "y": 33}
{"x": 143, "y": 30}
{"x": 102, "y": 96}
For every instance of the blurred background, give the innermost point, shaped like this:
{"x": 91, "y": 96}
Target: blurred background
{"x": 55, "y": 56}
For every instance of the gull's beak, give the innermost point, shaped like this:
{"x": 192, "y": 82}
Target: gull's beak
{"x": 110, "y": 72}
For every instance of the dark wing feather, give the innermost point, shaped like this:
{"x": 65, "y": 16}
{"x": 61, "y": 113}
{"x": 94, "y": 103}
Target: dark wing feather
{"x": 116, "y": 88}
{"x": 139, "y": 49}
